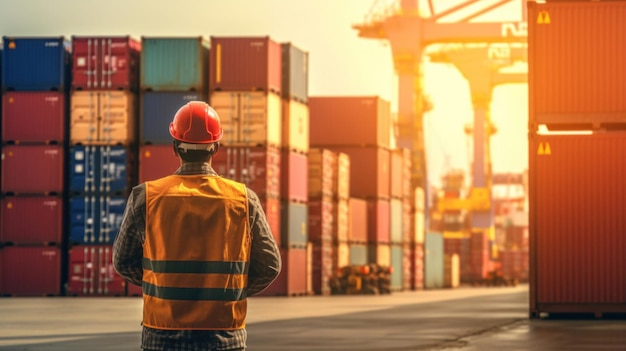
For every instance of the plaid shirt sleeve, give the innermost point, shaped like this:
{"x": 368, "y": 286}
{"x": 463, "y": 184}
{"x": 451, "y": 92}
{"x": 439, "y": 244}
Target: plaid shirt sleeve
{"x": 128, "y": 244}
{"x": 265, "y": 260}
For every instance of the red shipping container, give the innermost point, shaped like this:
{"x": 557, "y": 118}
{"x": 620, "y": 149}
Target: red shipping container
{"x": 34, "y": 117}
{"x": 256, "y": 166}
{"x": 32, "y": 169}
{"x": 577, "y": 229}
{"x": 353, "y": 120}
{"x": 294, "y": 176}
{"x": 31, "y": 220}
{"x": 91, "y": 272}
{"x": 575, "y": 62}
{"x": 417, "y": 266}
{"x": 156, "y": 161}
{"x": 133, "y": 290}
{"x": 378, "y": 226}
{"x": 373, "y": 161}
{"x": 245, "y": 63}
{"x": 358, "y": 215}
{"x": 110, "y": 63}
{"x": 322, "y": 270}
{"x": 292, "y": 280}
{"x": 321, "y": 172}
{"x": 321, "y": 219}
{"x": 30, "y": 271}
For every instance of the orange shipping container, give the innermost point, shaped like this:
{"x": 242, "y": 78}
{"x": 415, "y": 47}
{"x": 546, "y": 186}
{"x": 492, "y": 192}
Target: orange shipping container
{"x": 341, "y": 210}
{"x": 396, "y": 173}
{"x": 369, "y": 170}
{"x": 102, "y": 117}
{"x": 249, "y": 118}
{"x": 295, "y": 125}
{"x": 354, "y": 120}
{"x": 358, "y": 220}
{"x": 321, "y": 172}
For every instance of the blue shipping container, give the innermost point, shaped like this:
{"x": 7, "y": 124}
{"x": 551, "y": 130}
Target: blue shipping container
{"x": 157, "y": 111}
{"x": 35, "y": 64}
{"x": 433, "y": 261}
{"x": 95, "y": 219}
{"x": 295, "y": 75}
{"x": 101, "y": 169}
{"x": 396, "y": 264}
{"x": 174, "y": 64}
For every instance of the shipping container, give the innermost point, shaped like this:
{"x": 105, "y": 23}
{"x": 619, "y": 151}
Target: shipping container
{"x": 31, "y": 220}
{"x": 577, "y": 195}
{"x": 101, "y": 169}
{"x": 157, "y": 111}
{"x": 110, "y": 63}
{"x": 295, "y": 74}
{"x": 156, "y": 161}
{"x": 322, "y": 267}
{"x": 33, "y": 169}
{"x": 417, "y": 266}
{"x": 294, "y": 227}
{"x": 341, "y": 223}
{"x": 30, "y": 271}
{"x": 174, "y": 64}
{"x": 245, "y": 64}
{"x": 396, "y": 262}
{"x": 295, "y": 126}
{"x": 396, "y": 173}
{"x": 35, "y": 63}
{"x": 452, "y": 271}
{"x": 433, "y": 261}
{"x": 34, "y": 117}
{"x": 379, "y": 254}
{"x": 575, "y": 74}
{"x": 292, "y": 279}
{"x": 355, "y": 120}
{"x": 358, "y": 254}
{"x": 341, "y": 176}
{"x": 91, "y": 272}
{"x": 249, "y": 118}
{"x": 378, "y": 224}
{"x": 373, "y": 161}
{"x": 258, "y": 167}
{"x": 321, "y": 172}
{"x": 321, "y": 219}
{"x": 95, "y": 218}
{"x": 341, "y": 254}
{"x": 357, "y": 231}
{"x": 103, "y": 117}
{"x": 133, "y": 290}
{"x": 396, "y": 224}
{"x": 294, "y": 176}
{"x": 407, "y": 266}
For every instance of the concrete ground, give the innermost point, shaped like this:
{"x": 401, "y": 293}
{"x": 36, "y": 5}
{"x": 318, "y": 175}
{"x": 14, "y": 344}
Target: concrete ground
{"x": 467, "y": 319}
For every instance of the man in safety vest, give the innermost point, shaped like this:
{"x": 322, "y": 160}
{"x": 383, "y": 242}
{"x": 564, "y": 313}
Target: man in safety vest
{"x": 198, "y": 245}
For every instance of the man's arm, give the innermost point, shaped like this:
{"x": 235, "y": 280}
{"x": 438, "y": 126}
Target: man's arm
{"x": 128, "y": 244}
{"x": 265, "y": 261}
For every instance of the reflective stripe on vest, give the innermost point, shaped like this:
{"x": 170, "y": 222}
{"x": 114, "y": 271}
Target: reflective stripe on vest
{"x": 196, "y": 253}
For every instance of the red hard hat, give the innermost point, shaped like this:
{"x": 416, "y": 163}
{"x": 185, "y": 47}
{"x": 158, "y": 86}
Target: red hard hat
{"x": 196, "y": 123}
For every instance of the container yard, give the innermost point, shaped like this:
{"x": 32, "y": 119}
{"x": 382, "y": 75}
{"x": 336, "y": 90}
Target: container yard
{"x": 375, "y": 253}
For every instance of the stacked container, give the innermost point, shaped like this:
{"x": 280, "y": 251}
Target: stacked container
{"x": 34, "y": 129}
{"x": 102, "y": 166}
{"x": 576, "y": 182}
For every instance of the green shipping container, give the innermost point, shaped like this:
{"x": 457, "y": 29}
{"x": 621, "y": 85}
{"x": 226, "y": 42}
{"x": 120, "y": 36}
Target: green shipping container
{"x": 433, "y": 261}
{"x": 175, "y": 64}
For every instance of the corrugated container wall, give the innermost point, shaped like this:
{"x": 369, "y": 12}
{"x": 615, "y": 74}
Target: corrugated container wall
{"x": 33, "y": 169}
{"x": 355, "y": 120}
{"x": 110, "y": 63}
{"x": 245, "y": 64}
{"x": 156, "y": 161}
{"x": 35, "y": 64}
{"x": 295, "y": 76}
{"x": 30, "y": 271}
{"x": 18, "y": 227}
{"x": 174, "y": 64}
{"x": 577, "y": 223}
{"x": 157, "y": 111}
{"x": 575, "y": 63}
{"x": 46, "y": 120}
{"x": 433, "y": 261}
{"x": 103, "y": 117}
{"x": 295, "y": 126}
{"x": 370, "y": 161}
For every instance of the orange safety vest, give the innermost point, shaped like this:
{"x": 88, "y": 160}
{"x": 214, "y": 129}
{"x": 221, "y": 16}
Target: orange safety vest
{"x": 196, "y": 254}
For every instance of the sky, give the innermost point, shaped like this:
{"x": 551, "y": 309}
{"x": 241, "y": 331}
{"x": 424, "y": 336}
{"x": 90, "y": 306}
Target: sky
{"x": 341, "y": 63}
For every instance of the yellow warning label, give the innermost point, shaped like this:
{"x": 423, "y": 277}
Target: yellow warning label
{"x": 544, "y": 149}
{"x": 543, "y": 17}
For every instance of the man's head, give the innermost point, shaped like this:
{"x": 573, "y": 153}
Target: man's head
{"x": 196, "y": 131}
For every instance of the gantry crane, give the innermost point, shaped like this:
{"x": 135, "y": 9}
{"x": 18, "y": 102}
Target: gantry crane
{"x": 409, "y": 34}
